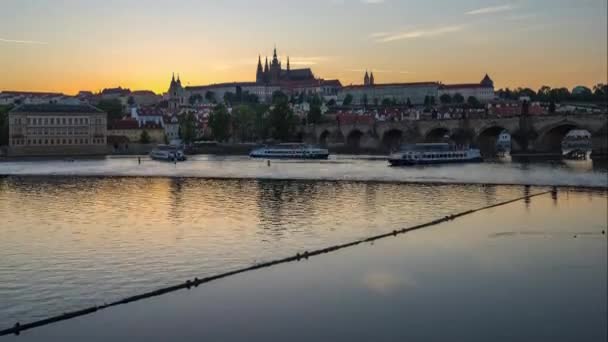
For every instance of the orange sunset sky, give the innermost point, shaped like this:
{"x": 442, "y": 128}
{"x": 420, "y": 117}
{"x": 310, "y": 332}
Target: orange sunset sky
{"x": 72, "y": 45}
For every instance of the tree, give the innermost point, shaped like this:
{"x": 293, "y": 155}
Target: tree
{"x": 194, "y": 98}
{"x": 314, "y": 114}
{"x": 445, "y": 99}
{"x": 187, "y": 127}
{"x": 348, "y": 99}
{"x": 131, "y": 101}
{"x": 458, "y": 98}
{"x": 544, "y": 93}
{"x": 600, "y": 92}
{"x": 281, "y": 120}
{"x": 409, "y": 103}
{"x": 261, "y": 125}
{"x": 219, "y": 122}
{"x": 229, "y": 98}
{"x": 552, "y": 107}
{"x": 113, "y": 107}
{"x": 279, "y": 97}
{"x": 387, "y": 102}
{"x": 331, "y": 103}
{"x": 376, "y": 101}
{"x": 210, "y": 97}
{"x": 144, "y": 138}
{"x": 432, "y": 100}
{"x": 473, "y": 102}
{"x": 559, "y": 94}
{"x": 243, "y": 122}
{"x": 4, "y": 131}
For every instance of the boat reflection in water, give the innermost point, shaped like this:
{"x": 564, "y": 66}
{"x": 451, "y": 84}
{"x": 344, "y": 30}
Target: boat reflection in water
{"x": 290, "y": 151}
{"x": 435, "y": 153}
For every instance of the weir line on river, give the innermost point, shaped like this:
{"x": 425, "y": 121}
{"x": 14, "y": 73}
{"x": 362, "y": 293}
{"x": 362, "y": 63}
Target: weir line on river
{"x": 18, "y": 327}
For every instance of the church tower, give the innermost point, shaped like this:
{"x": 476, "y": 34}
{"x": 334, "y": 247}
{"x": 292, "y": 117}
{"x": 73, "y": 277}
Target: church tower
{"x": 259, "y": 75}
{"x": 366, "y": 79}
{"x": 371, "y": 79}
{"x": 176, "y": 93}
{"x": 266, "y": 72}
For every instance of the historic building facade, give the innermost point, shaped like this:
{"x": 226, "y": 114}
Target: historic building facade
{"x": 482, "y": 91}
{"x": 269, "y": 78}
{"x": 415, "y": 93}
{"x": 54, "y": 129}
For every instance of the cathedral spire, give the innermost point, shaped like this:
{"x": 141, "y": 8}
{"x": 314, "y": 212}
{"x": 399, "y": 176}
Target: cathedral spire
{"x": 288, "y": 67}
{"x": 366, "y": 79}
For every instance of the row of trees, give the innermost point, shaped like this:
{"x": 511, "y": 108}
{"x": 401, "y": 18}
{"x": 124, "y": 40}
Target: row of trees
{"x": 599, "y": 93}
{"x": 429, "y": 101}
{"x": 251, "y": 121}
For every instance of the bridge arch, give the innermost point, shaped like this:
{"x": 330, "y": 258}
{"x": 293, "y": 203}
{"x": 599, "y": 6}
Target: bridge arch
{"x": 437, "y": 134}
{"x": 392, "y": 139}
{"x": 550, "y": 138}
{"x": 324, "y": 137}
{"x": 330, "y": 137}
{"x": 354, "y": 137}
{"x": 487, "y": 138}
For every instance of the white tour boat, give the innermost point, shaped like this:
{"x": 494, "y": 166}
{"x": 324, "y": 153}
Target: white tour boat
{"x": 167, "y": 153}
{"x": 290, "y": 151}
{"x": 435, "y": 153}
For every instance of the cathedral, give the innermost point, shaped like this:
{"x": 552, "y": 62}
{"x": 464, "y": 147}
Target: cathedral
{"x": 274, "y": 74}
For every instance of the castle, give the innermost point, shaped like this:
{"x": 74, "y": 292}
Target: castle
{"x": 274, "y": 74}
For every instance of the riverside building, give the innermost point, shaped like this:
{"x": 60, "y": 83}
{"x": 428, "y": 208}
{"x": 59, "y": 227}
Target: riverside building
{"x": 55, "y": 129}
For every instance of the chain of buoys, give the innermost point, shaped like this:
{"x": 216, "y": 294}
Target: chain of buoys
{"x": 18, "y": 327}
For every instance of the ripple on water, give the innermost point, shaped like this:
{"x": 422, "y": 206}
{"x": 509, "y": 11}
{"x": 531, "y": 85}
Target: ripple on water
{"x": 70, "y": 242}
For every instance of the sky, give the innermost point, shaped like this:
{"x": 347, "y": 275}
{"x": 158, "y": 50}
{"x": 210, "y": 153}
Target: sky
{"x": 72, "y": 45}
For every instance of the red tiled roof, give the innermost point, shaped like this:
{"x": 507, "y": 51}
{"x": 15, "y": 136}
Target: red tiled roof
{"x": 149, "y": 111}
{"x": 124, "y": 124}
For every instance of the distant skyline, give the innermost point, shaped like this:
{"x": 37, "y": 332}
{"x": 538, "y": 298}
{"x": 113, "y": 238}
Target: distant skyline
{"x": 72, "y": 45}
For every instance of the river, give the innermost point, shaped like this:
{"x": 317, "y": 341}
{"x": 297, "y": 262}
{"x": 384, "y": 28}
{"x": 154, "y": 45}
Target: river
{"x": 85, "y": 232}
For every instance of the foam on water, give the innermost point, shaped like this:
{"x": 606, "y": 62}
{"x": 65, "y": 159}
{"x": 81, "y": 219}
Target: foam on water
{"x": 581, "y": 174}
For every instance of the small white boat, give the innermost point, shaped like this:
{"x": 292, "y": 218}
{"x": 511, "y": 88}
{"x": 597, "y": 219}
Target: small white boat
{"x": 167, "y": 153}
{"x": 290, "y": 151}
{"x": 436, "y": 153}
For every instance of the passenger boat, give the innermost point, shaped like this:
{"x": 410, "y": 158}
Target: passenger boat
{"x": 168, "y": 153}
{"x": 290, "y": 151}
{"x": 437, "y": 153}
{"x": 577, "y": 144}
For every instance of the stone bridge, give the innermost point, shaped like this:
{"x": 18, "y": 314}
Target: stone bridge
{"x": 529, "y": 133}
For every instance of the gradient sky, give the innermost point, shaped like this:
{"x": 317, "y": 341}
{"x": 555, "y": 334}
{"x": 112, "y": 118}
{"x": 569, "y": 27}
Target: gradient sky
{"x": 72, "y": 45}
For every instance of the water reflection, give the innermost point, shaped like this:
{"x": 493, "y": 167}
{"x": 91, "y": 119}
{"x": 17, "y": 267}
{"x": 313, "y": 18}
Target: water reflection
{"x": 70, "y": 241}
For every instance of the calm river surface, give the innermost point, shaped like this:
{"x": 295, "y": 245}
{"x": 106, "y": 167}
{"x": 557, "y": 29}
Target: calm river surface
{"x": 68, "y": 241}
